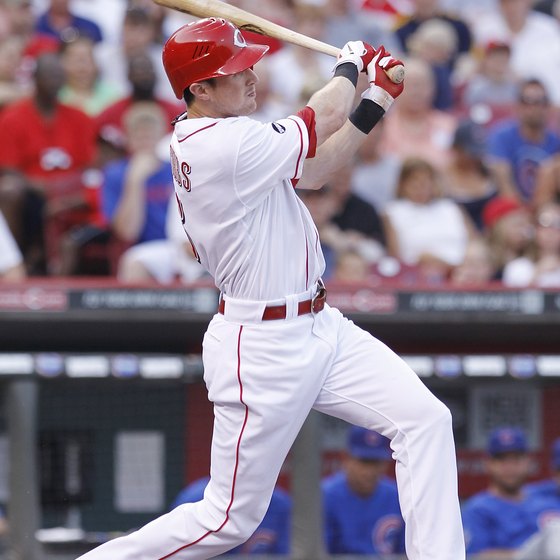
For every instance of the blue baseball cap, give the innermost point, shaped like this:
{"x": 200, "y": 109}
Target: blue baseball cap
{"x": 556, "y": 454}
{"x": 367, "y": 444}
{"x": 507, "y": 440}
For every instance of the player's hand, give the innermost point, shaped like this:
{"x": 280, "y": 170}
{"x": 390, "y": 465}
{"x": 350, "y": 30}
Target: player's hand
{"x": 382, "y": 90}
{"x": 376, "y": 71}
{"x": 356, "y": 52}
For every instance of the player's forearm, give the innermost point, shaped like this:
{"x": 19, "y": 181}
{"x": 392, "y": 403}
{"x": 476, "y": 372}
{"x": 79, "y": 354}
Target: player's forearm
{"x": 332, "y": 105}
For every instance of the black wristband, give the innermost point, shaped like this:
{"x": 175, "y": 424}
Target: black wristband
{"x": 366, "y": 115}
{"x": 347, "y": 70}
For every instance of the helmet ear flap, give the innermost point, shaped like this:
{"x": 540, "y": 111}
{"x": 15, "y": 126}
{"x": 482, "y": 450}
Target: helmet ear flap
{"x": 205, "y": 49}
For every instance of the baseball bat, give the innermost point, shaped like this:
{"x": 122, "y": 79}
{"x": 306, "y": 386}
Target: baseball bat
{"x": 249, "y": 22}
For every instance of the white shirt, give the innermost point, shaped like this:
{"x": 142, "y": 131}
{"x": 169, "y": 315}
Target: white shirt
{"x": 437, "y": 228}
{"x": 10, "y": 255}
{"x": 251, "y": 231}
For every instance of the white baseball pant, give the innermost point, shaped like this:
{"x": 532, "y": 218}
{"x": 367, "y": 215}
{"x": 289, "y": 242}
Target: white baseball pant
{"x": 263, "y": 378}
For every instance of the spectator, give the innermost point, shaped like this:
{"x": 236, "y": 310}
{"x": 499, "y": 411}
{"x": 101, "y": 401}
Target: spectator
{"x": 547, "y": 182}
{"x": 136, "y": 189}
{"x": 351, "y": 267}
{"x": 142, "y": 78}
{"x": 468, "y": 180}
{"x": 477, "y": 268}
{"x": 353, "y": 213}
{"x": 361, "y": 506}
{"x": 11, "y": 88}
{"x": 52, "y": 146}
{"x": 138, "y": 37}
{"x": 272, "y": 535}
{"x": 11, "y": 263}
{"x": 501, "y": 518}
{"x": 375, "y": 174}
{"x": 345, "y": 21}
{"x": 20, "y": 20}
{"x": 295, "y": 72}
{"x": 423, "y": 229}
{"x": 542, "y": 267}
{"x": 60, "y": 22}
{"x": 491, "y": 90}
{"x": 426, "y": 10}
{"x": 163, "y": 261}
{"x": 346, "y": 222}
{"x": 518, "y": 147}
{"x": 84, "y": 88}
{"x": 533, "y": 37}
{"x": 508, "y": 230}
{"x": 435, "y": 42}
{"x": 414, "y": 128}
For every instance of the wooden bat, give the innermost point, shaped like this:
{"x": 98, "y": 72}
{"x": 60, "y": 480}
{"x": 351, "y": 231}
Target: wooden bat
{"x": 250, "y": 22}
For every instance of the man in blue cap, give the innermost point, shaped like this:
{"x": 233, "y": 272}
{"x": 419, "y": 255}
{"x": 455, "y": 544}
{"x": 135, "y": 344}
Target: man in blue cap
{"x": 361, "y": 506}
{"x": 502, "y": 517}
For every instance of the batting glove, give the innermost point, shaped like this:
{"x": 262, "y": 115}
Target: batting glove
{"x": 382, "y": 90}
{"x": 356, "y": 52}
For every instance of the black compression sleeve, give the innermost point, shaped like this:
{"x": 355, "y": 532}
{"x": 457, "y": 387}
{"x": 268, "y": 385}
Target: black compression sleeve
{"x": 348, "y": 70}
{"x": 366, "y": 115}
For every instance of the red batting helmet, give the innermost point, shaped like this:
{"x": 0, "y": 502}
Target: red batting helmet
{"x": 205, "y": 49}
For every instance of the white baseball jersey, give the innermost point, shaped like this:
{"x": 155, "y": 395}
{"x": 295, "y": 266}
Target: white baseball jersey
{"x": 233, "y": 179}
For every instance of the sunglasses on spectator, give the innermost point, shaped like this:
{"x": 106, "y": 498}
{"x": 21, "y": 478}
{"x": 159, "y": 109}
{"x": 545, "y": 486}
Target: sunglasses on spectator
{"x": 549, "y": 222}
{"x": 534, "y": 101}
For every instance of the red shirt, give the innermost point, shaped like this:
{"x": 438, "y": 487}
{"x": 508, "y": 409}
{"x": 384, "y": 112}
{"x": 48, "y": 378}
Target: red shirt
{"x": 51, "y": 152}
{"x": 46, "y": 150}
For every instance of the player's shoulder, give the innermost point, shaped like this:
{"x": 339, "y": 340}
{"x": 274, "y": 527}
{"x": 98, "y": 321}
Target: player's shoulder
{"x": 547, "y": 486}
{"x": 482, "y": 501}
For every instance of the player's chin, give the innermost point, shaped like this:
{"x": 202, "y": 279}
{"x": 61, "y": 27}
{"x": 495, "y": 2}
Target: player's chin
{"x": 249, "y": 107}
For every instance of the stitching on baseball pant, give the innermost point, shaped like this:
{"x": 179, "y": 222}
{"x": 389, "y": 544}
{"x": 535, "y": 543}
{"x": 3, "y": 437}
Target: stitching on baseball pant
{"x": 188, "y": 545}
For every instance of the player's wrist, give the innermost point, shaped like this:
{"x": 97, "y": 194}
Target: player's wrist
{"x": 379, "y": 96}
{"x": 366, "y": 115}
{"x": 347, "y": 70}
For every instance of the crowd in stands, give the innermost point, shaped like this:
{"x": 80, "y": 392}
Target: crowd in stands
{"x": 458, "y": 185}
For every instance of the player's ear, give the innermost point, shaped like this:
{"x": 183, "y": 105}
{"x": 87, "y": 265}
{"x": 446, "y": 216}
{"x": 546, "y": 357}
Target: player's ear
{"x": 200, "y": 90}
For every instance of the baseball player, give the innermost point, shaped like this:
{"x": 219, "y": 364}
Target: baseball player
{"x": 361, "y": 505}
{"x": 275, "y": 349}
{"x": 500, "y": 519}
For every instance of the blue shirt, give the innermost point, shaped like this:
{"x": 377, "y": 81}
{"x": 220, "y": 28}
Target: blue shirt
{"x": 272, "y": 535}
{"x": 506, "y": 143}
{"x": 358, "y": 525}
{"x": 491, "y": 522}
{"x": 77, "y": 25}
{"x": 159, "y": 188}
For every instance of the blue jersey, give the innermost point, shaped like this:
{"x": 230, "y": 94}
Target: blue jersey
{"x": 491, "y": 522}
{"x": 357, "y": 525}
{"x": 272, "y": 535}
{"x": 544, "y": 488}
{"x": 506, "y": 143}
